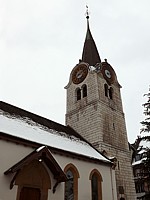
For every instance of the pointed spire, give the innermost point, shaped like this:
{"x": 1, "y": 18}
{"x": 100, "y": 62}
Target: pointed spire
{"x": 90, "y": 53}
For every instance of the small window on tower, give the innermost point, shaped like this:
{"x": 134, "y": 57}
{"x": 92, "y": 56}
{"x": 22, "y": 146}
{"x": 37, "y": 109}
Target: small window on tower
{"x": 84, "y": 90}
{"x": 106, "y": 90}
{"x": 78, "y": 94}
{"x": 111, "y": 93}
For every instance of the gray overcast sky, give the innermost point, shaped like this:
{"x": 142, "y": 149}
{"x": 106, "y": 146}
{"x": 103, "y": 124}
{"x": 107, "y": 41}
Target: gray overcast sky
{"x": 42, "y": 40}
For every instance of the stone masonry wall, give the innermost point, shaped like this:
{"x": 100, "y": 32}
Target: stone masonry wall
{"x": 101, "y": 121}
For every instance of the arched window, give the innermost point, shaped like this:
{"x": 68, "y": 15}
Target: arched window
{"x": 84, "y": 91}
{"x": 111, "y": 93}
{"x": 106, "y": 90}
{"x": 96, "y": 185}
{"x": 78, "y": 94}
{"x": 71, "y": 185}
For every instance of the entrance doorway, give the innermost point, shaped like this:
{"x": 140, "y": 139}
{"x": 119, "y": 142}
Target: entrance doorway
{"x": 28, "y": 193}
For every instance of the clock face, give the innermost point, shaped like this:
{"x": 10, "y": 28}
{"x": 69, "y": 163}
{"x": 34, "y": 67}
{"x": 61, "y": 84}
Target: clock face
{"x": 79, "y": 73}
{"x": 107, "y": 73}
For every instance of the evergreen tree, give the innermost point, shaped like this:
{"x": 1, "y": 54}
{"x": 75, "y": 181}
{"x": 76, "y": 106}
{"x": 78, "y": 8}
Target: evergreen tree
{"x": 146, "y": 137}
{"x": 146, "y": 122}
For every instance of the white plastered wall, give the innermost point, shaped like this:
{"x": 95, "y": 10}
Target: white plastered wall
{"x": 11, "y": 153}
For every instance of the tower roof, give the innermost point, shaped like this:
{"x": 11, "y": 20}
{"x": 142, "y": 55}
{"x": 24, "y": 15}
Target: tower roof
{"x": 90, "y": 53}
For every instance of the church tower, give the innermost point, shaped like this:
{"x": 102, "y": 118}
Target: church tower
{"x": 94, "y": 109}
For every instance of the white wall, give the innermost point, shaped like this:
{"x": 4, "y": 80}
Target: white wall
{"x": 84, "y": 184}
{"x": 11, "y": 153}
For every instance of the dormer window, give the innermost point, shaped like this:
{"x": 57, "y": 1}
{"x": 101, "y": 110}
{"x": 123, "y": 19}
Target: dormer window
{"x": 137, "y": 157}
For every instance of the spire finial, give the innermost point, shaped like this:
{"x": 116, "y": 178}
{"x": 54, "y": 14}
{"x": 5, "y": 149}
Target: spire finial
{"x": 90, "y": 53}
{"x": 87, "y": 12}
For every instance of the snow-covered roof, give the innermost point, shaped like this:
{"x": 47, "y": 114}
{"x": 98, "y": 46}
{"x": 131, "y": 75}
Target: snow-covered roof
{"x": 145, "y": 144}
{"x": 142, "y": 151}
{"x": 138, "y": 162}
{"x": 142, "y": 146}
{"x": 25, "y": 128}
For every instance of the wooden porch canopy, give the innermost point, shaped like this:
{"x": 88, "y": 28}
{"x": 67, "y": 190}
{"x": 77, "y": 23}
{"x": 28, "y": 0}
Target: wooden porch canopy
{"x": 42, "y": 154}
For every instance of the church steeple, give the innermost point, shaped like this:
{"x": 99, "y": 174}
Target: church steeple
{"x": 90, "y": 53}
{"x": 94, "y": 110}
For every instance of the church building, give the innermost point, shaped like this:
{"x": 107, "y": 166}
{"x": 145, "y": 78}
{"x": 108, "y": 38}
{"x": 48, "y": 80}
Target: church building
{"x": 86, "y": 159}
{"x": 43, "y": 160}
